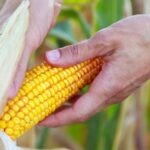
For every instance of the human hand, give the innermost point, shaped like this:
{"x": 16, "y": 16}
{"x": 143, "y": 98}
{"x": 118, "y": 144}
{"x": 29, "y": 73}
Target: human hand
{"x": 125, "y": 47}
{"x": 41, "y": 21}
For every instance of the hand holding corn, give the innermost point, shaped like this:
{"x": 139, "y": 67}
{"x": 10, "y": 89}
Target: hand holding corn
{"x": 125, "y": 47}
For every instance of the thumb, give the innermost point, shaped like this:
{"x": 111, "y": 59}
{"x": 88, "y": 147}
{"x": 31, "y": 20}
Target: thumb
{"x": 102, "y": 43}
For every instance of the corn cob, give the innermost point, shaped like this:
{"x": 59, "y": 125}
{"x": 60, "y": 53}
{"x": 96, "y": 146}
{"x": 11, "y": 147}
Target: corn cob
{"x": 44, "y": 89}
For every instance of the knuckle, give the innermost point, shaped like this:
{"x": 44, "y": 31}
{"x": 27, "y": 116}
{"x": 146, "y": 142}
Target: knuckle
{"x": 74, "y": 50}
{"x": 118, "y": 32}
{"x": 98, "y": 42}
{"x": 81, "y": 117}
{"x": 113, "y": 35}
{"x": 102, "y": 40}
{"x": 101, "y": 37}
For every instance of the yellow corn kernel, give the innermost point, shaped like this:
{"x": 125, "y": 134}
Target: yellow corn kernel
{"x": 20, "y": 115}
{"x": 10, "y": 124}
{"x": 6, "y": 117}
{"x": 2, "y": 124}
{"x": 15, "y": 108}
{"x": 9, "y": 131}
{"x": 16, "y": 120}
{"x": 11, "y": 113}
{"x": 6, "y": 108}
{"x": 20, "y": 103}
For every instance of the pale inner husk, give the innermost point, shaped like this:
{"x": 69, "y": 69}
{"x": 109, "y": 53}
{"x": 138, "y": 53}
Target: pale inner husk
{"x": 6, "y": 143}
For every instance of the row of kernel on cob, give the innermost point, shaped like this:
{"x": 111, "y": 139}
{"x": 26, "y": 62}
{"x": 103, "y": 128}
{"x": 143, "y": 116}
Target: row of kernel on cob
{"x": 44, "y": 89}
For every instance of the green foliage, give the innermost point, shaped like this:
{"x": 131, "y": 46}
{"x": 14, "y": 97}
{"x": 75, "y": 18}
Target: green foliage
{"x": 79, "y": 18}
{"x": 63, "y": 31}
{"x": 94, "y": 132}
{"x": 42, "y": 138}
{"x": 75, "y": 132}
{"x": 76, "y": 2}
{"x": 106, "y": 12}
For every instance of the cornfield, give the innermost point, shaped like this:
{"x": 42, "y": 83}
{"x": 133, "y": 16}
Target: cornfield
{"x": 123, "y": 126}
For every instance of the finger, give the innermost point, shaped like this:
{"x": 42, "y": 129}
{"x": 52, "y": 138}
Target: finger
{"x": 85, "y": 107}
{"x": 65, "y": 106}
{"x": 57, "y": 9}
{"x": 101, "y": 44}
{"x": 41, "y": 19}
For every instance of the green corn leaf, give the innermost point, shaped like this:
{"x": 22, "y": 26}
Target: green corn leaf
{"x": 79, "y": 18}
{"x": 64, "y": 32}
{"x": 106, "y": 12}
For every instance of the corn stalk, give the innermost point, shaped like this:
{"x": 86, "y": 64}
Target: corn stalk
{"x": 137, "y": 6}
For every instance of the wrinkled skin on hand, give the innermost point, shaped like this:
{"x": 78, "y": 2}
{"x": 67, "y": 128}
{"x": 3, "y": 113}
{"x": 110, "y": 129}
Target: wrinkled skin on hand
{"x": 41, "y": 21}
{"x": 125, "y": 47}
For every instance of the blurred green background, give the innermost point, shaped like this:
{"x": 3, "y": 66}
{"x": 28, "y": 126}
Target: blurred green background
{"x": 124, "y": 126}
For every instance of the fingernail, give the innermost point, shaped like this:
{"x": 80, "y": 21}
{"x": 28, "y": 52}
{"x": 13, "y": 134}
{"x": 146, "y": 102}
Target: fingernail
{"x": 53, "y": 56}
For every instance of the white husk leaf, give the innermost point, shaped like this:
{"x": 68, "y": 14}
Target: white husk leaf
{"x": 7, "y": 143}
{"x": 12, "y": 41}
